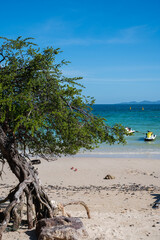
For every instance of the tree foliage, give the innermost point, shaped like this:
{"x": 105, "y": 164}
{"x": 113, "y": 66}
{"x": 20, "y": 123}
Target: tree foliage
{"x": 41, "y": 110}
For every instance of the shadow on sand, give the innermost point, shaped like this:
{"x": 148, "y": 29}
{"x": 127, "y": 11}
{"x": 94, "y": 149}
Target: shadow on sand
{"x": 32, "y": 234}
{"x": 156, "y": 203}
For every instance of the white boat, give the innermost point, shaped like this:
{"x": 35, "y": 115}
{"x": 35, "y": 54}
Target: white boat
{"x": 129, "y": 130}
{"x": 149, "y": 136}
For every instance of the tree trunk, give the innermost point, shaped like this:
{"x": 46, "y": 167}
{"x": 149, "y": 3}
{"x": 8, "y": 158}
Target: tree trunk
{"x": 29, "y": 187}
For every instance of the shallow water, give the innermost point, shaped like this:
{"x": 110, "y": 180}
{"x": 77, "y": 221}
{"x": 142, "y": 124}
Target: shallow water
{"x": 140, "y": 118}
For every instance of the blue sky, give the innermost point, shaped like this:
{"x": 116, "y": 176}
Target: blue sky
{"x": 113, "y": 44}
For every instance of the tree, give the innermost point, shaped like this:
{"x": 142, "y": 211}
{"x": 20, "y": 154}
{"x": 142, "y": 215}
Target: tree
{"x": 42, "y": 112}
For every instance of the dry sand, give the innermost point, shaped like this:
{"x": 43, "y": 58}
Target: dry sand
{"x": 120, "y": 208}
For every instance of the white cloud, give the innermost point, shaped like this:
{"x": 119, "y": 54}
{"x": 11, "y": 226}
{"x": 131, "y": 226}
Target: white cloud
{"x": 56, "y": 28}
{"x": 124, "y": 36}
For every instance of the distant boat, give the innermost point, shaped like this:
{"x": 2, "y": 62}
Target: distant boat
{"x": 129, "y": 130}
{"x": 149, "y": 136}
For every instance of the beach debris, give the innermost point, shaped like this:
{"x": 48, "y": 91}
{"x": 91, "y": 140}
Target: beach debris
{"x": 35, "y": 161}
{"x": 108, "y": 176}
{"x": 63, "y": 228}
{"x": 150, "y": 189}
{"x": 75, "y": 170}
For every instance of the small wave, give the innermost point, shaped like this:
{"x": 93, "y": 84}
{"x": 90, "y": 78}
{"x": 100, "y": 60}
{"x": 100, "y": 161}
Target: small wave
{"x": 118, "y": 154}
{"x": 115, "y": 153}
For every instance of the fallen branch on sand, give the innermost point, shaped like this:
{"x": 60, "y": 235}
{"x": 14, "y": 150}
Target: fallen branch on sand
{"x": 61, "y": 207}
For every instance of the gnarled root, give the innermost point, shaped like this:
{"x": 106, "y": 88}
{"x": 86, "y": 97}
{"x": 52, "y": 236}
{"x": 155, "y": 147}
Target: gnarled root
{"x": 17, "y": 213}
{"x": 11, "y": 208}
{"x": 38, "y": 205}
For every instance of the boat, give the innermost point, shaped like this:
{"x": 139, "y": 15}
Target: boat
{"x": 129, "y": 130}
{"x": 150, "y": 136}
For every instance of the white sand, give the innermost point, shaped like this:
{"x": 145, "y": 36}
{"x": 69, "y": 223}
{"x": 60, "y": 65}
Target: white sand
{"x": 120, "y": 208}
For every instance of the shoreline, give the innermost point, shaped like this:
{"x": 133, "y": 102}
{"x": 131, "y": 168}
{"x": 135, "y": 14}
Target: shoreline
{"x": 121, "y": 208}
{"x": 137, "y": 155}
{"x": 142, "y": 149}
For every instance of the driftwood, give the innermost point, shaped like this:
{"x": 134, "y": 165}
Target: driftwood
{"x": 79, "y": 203}
{"x": 60, "y": 208}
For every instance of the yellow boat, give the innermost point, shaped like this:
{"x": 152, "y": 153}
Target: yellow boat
{"x": 150, "y": 136}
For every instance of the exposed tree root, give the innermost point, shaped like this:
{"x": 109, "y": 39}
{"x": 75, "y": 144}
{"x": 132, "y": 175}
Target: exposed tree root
{"x": 7, "y": 213}
{"x": 29, "y": 192}
{"x": 38, "y": 205}
{"x": 37, "y": 202}
{"x": 4, "y": 200}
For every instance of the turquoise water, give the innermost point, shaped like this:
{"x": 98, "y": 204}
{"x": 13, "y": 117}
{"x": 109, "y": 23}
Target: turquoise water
{"x": 139, "y": 120}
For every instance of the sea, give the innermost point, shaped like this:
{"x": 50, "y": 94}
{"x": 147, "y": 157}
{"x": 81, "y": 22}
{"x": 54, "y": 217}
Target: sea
{"x": 141, "y": 118}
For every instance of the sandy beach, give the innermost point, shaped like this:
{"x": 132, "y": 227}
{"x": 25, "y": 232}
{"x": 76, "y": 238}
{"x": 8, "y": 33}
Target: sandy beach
{"x": 121, "y": 208}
